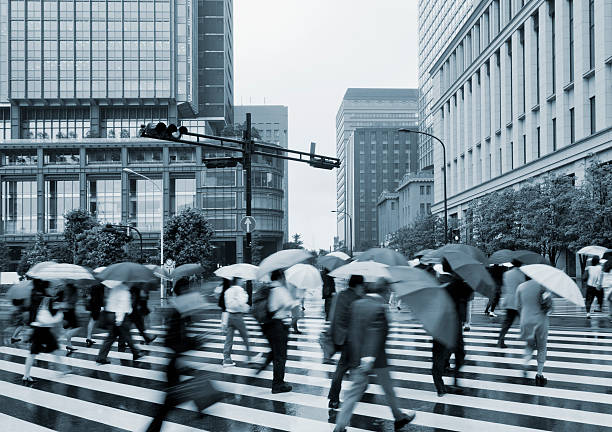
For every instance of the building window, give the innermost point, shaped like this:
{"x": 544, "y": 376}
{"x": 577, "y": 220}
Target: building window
{"x": 428, "y": 190}
{"x": 572, "y": 121}
{"x": 511, "y": 155}
{"x": 219, "y": 178}
{"x": 126, "y": 122}
{"x": 182, "y": 194}
{"x": 554, "y": 134}
{"x": 267, "y": 179}
{"x": 522, "y": 68}
{"x": 392, "y": 205}
{"x": 104, "y": 156}
{"x": 591, "y": 34}
{"x": 551, "y": 13}
{"x": 104, "y": 198}
{"x": 223, "y": 222}
{"x": 144, "y": 155}
{"x": 500, "y": 162}
{"x": 211, "y": 201}
{"x": 422, "y": 189}
{"x": 538, "y": 141}
{"x": 536, "y": 29}
{"x": 61, "y": 196}
{"x": 62, "y": 157}
{"x": 55, "y": 123}
{"x": 19, "y": 157}
{"x": 182, "y": 155}
{"x": 19, "y": 206}
{"x": 592, "y": 114}
{"x": 422, "y": 208}
{"x": 524, "y": 149}
{"x": 570, "y": 5}
{"x": 145, "y": 203}
{"x": 5, "y": 123}
{"x": 509, "y": 78}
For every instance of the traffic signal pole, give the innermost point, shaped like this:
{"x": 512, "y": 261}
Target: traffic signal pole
{"x": 248, "y": 147}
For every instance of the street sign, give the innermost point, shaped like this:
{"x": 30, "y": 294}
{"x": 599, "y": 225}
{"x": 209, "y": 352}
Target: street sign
{"x": 247, "y": 224}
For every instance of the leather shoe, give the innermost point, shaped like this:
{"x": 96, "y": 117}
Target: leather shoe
{"x": 103, "y": 361}
{"x": 281, "y": 389}
{"x": 501, "y": 345}
{"x": 138, "y": 355}
{"x": 333, "y": 404}
{"x": 404, "y": 420}
{"x": 89, "y": 343}
{"x": 150, "y": 340}
{"x": 454, "y": 389}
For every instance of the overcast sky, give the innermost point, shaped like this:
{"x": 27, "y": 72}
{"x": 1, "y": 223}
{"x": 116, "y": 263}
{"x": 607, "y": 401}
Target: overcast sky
{"x": 304, "y": 54}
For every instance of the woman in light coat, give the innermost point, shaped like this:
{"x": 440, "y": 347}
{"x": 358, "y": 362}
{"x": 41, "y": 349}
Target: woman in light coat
{"x": 534, "y": 303}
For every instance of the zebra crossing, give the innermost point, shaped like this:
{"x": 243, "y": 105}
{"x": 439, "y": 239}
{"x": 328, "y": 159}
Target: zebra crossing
{"x": 124, "y": 395}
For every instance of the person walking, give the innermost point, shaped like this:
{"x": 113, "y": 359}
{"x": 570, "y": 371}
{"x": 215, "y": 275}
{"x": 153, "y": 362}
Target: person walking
{"x": 235, "y": 303}
{"x": 140, "y": 309}
{"x": 593, "y": 277}
{"x": 496, "y": 273}
{"x": 367, "y": 336}
{"x": 533, "y": 303}
{"x": 328, "y": 291}
{"x": 279, "y": 304}
{"x": 338, "y": 332}
{"x": 94, "y": 306}
{"x": 511, "y": 280}
{"x": 69, "y": 297}
{"x": 120, "y": 304}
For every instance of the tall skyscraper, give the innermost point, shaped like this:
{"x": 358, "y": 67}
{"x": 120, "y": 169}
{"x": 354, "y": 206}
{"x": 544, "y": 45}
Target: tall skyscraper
{"x": 373, "y": 156}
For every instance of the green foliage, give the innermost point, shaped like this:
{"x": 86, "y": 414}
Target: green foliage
{"x": 237, "y": 130}
{"x": 77, "y": 222}
{"x": 187, "y": 238}
{"x": 425, "y": 233}
{"x": 297, "y": 242}
{"x": 99, "y": 247}
{"x": 61, "y": 252}
{"x": 4, "y": 256}
{"x": 39, "y": 252}
{"x": 256, "y": 249}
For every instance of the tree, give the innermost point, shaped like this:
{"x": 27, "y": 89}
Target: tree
{"x": 237, "y": 130}
{"x": 187, "y": 238}
{"x": 99, "y": 247}
{"x": 61, "y": 252}
{"x": 77, "y": 222}
{"x": 297, "y": 242}
{"x": 38, "y": 253}
{"x": 425, "y": 233}
{"x": 256, "y": 249}
{"x": 4, "y": 256}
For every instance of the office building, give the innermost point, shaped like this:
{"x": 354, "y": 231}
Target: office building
{"x": 372, "y": 160}
{"x": 522, "y": 89}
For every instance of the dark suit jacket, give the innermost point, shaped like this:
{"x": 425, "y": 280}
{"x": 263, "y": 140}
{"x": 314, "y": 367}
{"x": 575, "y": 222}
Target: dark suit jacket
{"x": 368, "y": 331}
{"x": 341, "y": 314}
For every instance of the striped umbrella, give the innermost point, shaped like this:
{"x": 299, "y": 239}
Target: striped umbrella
{"x": 63, "y": 271}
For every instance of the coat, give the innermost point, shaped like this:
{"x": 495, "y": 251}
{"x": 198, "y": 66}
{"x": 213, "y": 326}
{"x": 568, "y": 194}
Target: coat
{"x": 329, "y": 286}
{"x": 512, "y": 279}
{"x": 534, "y": 319}
{"x": 341, "y": 314}
{"x": 460, "y": 292}
{"x": 368, "y": 330}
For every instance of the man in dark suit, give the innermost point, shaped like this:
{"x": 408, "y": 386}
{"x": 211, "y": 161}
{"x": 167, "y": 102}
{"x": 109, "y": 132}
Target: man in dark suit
{"x": 338, "y": 330}
{"x": 329, "y": 290}
{"x": 367, "y": 337}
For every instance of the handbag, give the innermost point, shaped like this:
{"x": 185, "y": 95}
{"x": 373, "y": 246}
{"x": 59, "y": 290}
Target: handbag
{"x": 546, "y": 302}
{"x": 199, "y": 389}
{"x": 44, "y": 317}
{"x": 106, "y": 320}
{"x": 327, "y": 345}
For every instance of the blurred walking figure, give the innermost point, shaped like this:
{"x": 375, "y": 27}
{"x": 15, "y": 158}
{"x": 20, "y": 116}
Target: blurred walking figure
{"x": 593, "y": 277}
{"x": 338, "y": 331}
{"x": 69, "y": 297}
{"x": 235, "y": 302}
{"x": 94, "y": 306}
{"x": 298, "y": 310}
{"x": 367, "y": 336}
{"x": 119, "y": 303}
{"x": 140, "y": 309}
{"x": 276, "y": 329}
{"x": 43, "y": 318}
{"x": 511, "y": 280}
{"x": 534, "y": 303}
{"x": 177, "y": 391}
{"x": 497, "y": 273}
{"x": 19, "y": 318}
{"x": 328, "y": 291}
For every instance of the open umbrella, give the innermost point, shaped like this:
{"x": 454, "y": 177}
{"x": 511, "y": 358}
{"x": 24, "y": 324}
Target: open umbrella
{"x": 472, "y": 272}
{"x": 594, "y": 251}
{"x": 159, "y": 271}
{"x": 330, "y": 262}
{"x": 240, "y": 270}
{"x": 529, "y": 257}
{"x": 422, "y": 252}
{"x": 340, "y": 255}
{"x": 554, "y": 280}
{"x": 370, "y": 270}
{"x": 468, "y": 250}
{"x": 429, "y": 301}
{"x": 186, "y": 270}
{"x": 282, "y": 260}
{"x": 304, "y": 276}
{"x": 501, "y": 256}
{"x": 20, "y": 290}
{"x": 126, "y": 272}
{"x": 52, "y": 271}
{"x": 383, "y": 256}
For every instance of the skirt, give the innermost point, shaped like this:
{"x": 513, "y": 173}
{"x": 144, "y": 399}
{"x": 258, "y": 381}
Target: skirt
{"x": 43, "y": 341}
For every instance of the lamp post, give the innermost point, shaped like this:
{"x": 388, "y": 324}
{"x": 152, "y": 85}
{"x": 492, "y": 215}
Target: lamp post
{"x": 161, "y": 230}
{"x": 350, "y": 227}
{"x": 444, "y": 161}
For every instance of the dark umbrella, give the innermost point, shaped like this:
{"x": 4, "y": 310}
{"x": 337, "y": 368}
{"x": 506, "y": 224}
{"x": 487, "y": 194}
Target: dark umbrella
{"x": 383, "y": 256}
{"x": 529, "y": 257}
{"x": 20, "y": 290}
{"x": 186, "y": 270}
{"x": 472, "y": 272}
{"x": 465, "y": 249}
{"x": 127, "y": 272}
{"x": 423, "y": 252}
{"x": 501, "y": 256}
{"x": 330, "y": 262}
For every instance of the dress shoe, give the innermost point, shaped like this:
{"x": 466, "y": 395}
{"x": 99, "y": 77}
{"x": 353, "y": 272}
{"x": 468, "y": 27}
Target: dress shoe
{"x": 452, "y": 389}
{"x": 501, "y": 344}
{"x": 540, "y": 381}
{"x": 138, "y": 355}
{"x": 150, "y": 340}
{"x": 89, "y": 343}
{"x": 15, "y": 340}
{"x": 407, "y": 418}
{"x": 103, "y": 361}
{"x": 70, "y": 350}
{"x": 333, "y": 404}
{"x": 281, "y": 389}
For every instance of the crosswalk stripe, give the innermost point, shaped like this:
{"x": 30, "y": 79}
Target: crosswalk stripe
{"x": 577, "y": 395}
{"x": 13, "y": 424}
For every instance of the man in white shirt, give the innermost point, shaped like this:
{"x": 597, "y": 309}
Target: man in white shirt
{"x": 236, "y": 303}
{"x": 594, "y": 289}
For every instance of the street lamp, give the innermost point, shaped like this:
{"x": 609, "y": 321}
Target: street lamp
{"x": 350, "y": 227}
{"x": 161, "y": 230}
{"x": 444, "y": 161}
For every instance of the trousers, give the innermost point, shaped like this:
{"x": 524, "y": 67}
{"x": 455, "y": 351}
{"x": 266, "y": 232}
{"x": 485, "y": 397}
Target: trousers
{"x": 235, "y": 322}
{"x": 511, "y": 315}
{"x": 593, "y": 293}
{"x": 277, "y": 334}
{"x": 341, "y": 369}
{"x": 117, "y": 331}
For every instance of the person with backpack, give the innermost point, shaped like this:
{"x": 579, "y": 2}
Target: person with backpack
{"x": 272, "y": 307}
{"x": 593, "y": 276}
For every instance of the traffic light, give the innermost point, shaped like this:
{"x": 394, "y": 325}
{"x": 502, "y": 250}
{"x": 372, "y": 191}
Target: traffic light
{"x": 222, "y": 162}
{"x": 160, "y": 130}
{"x": 456, "y": 234}
{"x": 323, "y": 162}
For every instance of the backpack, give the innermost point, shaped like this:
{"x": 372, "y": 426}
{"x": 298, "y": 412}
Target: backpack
{"x": 260, "y": 305}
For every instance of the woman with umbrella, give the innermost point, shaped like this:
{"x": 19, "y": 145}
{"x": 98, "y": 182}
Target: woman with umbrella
{"x": 69, "y": 297}
{"x": 94, "y": 306}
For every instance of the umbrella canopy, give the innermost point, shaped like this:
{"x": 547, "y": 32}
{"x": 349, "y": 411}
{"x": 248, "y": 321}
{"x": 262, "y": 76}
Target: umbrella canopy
{"x": 422, "y": 252}
{"x": 186, "y": 270}
{"x": 554, "y": 280}
{"x": 383, "y": 256}
{"x": 501, "y": 256}
{"x": 408, "y": 280}
{"x": 282, "y": 260}
{"x": 472, "y": 272}
{"x": 304, "y": 276}
{"x": 529, "y": 257}
{"x": 159, "y": 271}
{"x": 52, "y": 271}
{"x": 340, "y": 255}
{"x": 21, "y": 290}
{"x": 594, "y": 251}
{"x": 468, "y": 250}
{"x": 241, "y": 271}
{"x": 330, "y": 262}
{"x": 370, "y": 270}
{"x": 127, "y": 272}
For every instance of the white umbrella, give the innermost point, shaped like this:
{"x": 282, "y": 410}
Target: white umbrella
{"x": 240, "y": 270}
{"x": 304, "y": 276}
{"x": 99, "y": 269}
{"x": 63, "y": 271}
{"x": 593, "y": 251}
{"x": 282, "y": 260}
{"x": 370, "y": 270}
{"x": 554, "y": 280}
{"x": 112, "y": 283}
{"x": 339, "y": 254}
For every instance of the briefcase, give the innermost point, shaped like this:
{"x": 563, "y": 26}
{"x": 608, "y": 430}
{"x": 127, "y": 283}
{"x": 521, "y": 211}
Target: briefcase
{"x": 199, "y": 389}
